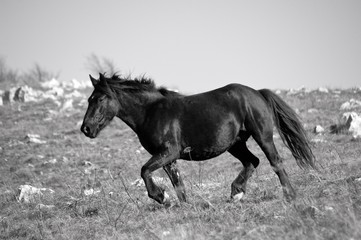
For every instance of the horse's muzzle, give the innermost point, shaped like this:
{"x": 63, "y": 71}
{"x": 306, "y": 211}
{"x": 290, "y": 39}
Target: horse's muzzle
{"x": 87, "y": 131}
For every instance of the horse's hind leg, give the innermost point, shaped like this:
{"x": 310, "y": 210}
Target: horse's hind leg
{"x": 174, "y": 176}
{"x": 250, "y": 163}
{"x": 265, "y": 141}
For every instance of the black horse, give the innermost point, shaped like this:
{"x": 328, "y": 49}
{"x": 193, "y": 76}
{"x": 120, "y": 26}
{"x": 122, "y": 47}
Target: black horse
{"x": 172, "y": 126}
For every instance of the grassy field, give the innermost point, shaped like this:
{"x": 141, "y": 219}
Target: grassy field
{"x": 328, "y": 205}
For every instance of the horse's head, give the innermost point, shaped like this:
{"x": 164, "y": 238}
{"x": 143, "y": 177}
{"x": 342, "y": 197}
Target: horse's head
{"x": 102, "y": 107}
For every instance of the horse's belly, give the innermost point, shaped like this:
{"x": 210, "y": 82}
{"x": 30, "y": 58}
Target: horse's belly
{"x": 199, "y": 155}
{"x": 205, "y": 143}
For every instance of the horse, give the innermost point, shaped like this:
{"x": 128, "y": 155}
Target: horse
{"x": 172, "y": 126}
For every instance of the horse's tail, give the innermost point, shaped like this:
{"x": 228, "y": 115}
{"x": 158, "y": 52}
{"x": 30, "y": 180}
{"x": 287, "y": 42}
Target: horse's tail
{"x": 290, "y": 128}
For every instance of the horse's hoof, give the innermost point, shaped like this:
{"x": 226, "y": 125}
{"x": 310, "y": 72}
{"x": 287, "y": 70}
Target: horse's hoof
{"x": 238, "y": 197}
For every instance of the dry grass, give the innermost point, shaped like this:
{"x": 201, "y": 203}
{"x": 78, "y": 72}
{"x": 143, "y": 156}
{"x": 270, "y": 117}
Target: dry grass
{"x": 328, "y": 204}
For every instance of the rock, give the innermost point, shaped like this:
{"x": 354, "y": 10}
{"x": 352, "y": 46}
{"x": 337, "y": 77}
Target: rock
{"x": 51, "y": 161}
{"x": 351, "y": 104}
{"x": 312, "y": 110}
{"x": 89, "y": 167}
{"x": 323, "y": 90}
{"x": 8, "y": 95}
{"x": 301, "y": 91}
{"x": 293, "y": 91}
{"x": 350, "y": 122}
{"x": 27, "y": 94}
{"x": 75, "y": 84}
{"x": 29, "y": 193}
{"x": 355, "y": 125}
{"x": 140, "y": 183}
{"x": 328, "y": 208}
{"x": 43, "y": 206}
{"x": 55, "y": 91}
{"x": 91, "y": 191}
{"x": 53, "y": 83}
{"x": 34, "y": 138}
{"x": 67, "y": 105}
{"x": 318, "y": 129}
{"x": 74, "y": 94}
{"x": 318, "y": 140}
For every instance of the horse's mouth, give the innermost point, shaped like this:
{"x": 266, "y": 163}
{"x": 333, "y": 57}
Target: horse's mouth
{"x": 92, "y": 132}
{"x": 92, "y": 135}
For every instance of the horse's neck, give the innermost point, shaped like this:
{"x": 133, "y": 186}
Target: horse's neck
{"x": 133, "y": 108}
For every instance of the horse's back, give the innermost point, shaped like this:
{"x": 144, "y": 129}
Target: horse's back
{"x": 211, "y": 122}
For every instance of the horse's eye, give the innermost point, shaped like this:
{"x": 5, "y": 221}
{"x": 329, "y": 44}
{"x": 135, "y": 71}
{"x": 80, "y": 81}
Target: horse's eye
{"x": 91, "y": 98}
{"x": 101, "y": 99}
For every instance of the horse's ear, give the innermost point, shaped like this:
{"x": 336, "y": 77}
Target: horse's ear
{"x": 101, "y": 77}
{"x": 94, "y": 81}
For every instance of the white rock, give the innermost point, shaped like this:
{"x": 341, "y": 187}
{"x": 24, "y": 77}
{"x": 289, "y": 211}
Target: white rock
{"x": 328, "y": 208}
{"x": 292, "y": 92}
{"x": 67, "y": 105}
{"x": 56, "y": 91}
{"x": 51, "y": 84}
{"x": 318, "y": 140}
{"x": 91, "y": 191}
{"x": 351, "y": 104}
{"x": 318, "y": 129}
{"x": 76, "y": 84}
{"x": 29, "y": 193}
{"x": 34, "y": 138}
{"x": 43, "y": 206}
{"x": 74, "y": 94}
{"x": 355, "y": 125}
{"x": 312, "y": 110}
{"x": 345, "y": 106}
{"x": 9, "y": 95}
{"x": 322, "y": 89}
{"x": 140, "y": 183}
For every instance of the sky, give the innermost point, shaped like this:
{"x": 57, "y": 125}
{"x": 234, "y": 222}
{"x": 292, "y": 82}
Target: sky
{"x": 190, "y": 45}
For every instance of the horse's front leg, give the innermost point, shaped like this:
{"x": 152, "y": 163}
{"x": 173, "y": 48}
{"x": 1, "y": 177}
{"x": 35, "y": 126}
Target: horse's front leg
{"x": 154, "y": 163}
{"x": 174, "y": 175}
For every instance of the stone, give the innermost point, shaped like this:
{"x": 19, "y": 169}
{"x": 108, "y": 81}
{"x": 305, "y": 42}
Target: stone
{"x": 318, "y": 129}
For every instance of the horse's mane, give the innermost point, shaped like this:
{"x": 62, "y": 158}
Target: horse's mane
{"x": 117, "y": 83}
{"x": 168, "y": 93}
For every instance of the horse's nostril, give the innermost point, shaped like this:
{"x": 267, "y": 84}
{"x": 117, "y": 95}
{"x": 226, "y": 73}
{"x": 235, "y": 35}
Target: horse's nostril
{"x": 86, "y": 129}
